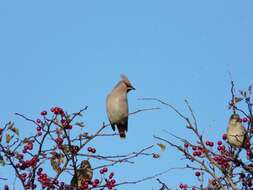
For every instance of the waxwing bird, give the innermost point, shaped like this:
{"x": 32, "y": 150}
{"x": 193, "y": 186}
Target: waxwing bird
{"x": 236, "y": 133}
{"x": 117, "y": 105}
{"x": 83, "y": 174}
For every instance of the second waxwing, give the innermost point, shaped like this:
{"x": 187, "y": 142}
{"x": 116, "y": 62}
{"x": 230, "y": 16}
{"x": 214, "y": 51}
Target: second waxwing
{"x": 83, "y": 173}
{"x": 236, "y": 133}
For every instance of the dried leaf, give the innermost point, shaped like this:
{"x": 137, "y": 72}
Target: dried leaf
{"x": 12, "y": 128}
{"x": 10, "y": 125}
{"x": 162, "y": 146}
{"x": 80, "y": 124}
{"x": 8, "y": 138}
{"x": 250, "y": 89}
{"x": 26, "y": 140}
{"x": 237, "y": 99}
{"x": 56, "y": 162}
{"x": 15, "y": 130}
{"x": 245, "y": 94}
{"x": 2, "y": 163}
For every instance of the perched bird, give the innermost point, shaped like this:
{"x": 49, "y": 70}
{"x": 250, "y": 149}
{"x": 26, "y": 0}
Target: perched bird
{"x": 236, "y": 133}
{"x": 117, "y": 105}
{"x": 84, "y": 173}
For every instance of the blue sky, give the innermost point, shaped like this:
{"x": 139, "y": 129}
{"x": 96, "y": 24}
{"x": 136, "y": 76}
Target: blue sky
{"x": 71, "y": 54}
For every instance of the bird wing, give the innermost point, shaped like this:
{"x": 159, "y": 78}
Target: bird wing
{"x": 107, "y": 111}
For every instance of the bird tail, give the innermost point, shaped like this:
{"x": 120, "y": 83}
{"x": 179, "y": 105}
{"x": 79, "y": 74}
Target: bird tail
{"x": 122, "y": 132}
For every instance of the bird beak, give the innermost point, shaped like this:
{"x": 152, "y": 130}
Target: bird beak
{"x": 133, "y": 88}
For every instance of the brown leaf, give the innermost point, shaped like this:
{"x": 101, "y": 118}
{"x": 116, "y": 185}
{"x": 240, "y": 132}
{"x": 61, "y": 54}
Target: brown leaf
{"x": 2, "y": 163}
{"x": 15, "y": 130}
{"x": 80, "y": 124}
{"x": 8, "y": 138}
{"x": 250, "y": 89}
{"x": 55, "y": 163}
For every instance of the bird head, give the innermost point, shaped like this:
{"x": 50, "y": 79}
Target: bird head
{"x": 127, "y": 83}
{"x": 234, "y": 117}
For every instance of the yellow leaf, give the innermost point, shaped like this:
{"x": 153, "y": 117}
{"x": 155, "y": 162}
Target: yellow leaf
{"x": 162, "y": 146}
{"x": 55, "y": 164}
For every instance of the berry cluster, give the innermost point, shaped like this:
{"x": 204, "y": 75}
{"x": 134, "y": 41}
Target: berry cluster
{"x": 46, "y": 181}
{"x": 92, "y": 150}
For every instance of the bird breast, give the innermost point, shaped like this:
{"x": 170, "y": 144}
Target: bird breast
{"x": 117, "y": 107}
{"x": 236, "y": 133}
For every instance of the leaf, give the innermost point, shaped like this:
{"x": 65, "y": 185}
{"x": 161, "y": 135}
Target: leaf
{"x": 237, "y": 99}
{"x": 26, "y": 140}
{"x": 55, "y": 163}
{"x": 2, "y": 163}
{"x": 250, "y": 89}
{"x": 10, "y": 125}
{"x": 8, "y": 138}
{"x": 162, "y": 146}
{"x": 12, "y": 128}
{"x": 80, "y": 124}
{"x": 15, "y": 130}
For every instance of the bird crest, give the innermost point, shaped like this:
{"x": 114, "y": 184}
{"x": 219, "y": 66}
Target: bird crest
{"x": 125, "y": 80}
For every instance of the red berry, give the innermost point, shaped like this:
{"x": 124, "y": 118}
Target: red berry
{"x": 85, "y": 185}
{"x": 39, "y": 133}
{"x": 43, "y": 113}
{"x": 249, "y": 183}
{"x": 105, "y": 169}
{"x": 197, "y": 173}
{"x": 101, "y": 171}
{"x": 245, "y": 119}
{"x": 38, "y": 121}
{"x": 6, "y": 187}
{"x": 94, "y": 184}
{"x": 219, "y": 142}
{"x": 181, "y": 186}
{"x": 89, "y": 149}
{"x": 93, "y": 150}
{"x": 52, "y": 109}
{"x": 96, "y": 181}
{"x": 111, "y": 175}
{"x": 224, "y": 136}
{"x": 186, "y": 145}
{"x": 59, "y": 140}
